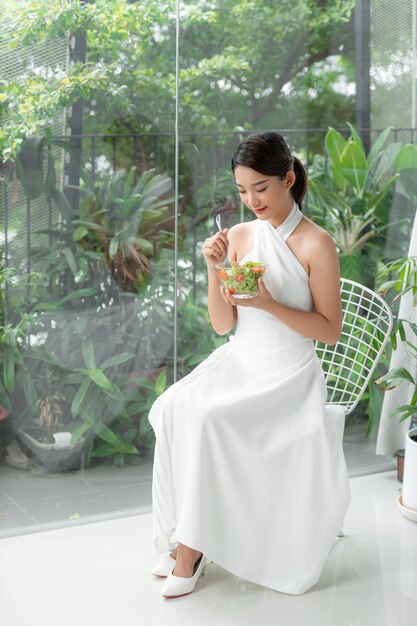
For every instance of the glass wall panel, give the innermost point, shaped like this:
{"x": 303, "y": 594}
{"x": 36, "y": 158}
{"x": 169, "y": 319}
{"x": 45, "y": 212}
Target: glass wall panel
{"x": 393, "y": 75}
{"x": 285, "y": 67}
{"x": 92, "y": 328}
{"x": 87, "y": 256}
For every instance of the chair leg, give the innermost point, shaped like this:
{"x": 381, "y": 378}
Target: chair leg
{"x": 341, "y": 533}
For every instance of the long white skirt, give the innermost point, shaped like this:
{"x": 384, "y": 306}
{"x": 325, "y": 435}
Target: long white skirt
{"x": 249, "y": 467}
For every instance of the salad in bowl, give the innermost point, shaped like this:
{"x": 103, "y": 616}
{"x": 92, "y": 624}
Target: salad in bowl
{"x": 241, "y": 280}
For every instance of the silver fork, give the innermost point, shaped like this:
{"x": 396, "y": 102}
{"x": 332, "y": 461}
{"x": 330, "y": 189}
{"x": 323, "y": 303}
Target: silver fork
{"x": 219, "y": 221}
{"x": 219, "y": 226}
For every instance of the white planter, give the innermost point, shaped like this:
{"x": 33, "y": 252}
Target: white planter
{"x": 62, "y": 440}
{"x": 58, "y": 456}
{"x": 409, "y": 491}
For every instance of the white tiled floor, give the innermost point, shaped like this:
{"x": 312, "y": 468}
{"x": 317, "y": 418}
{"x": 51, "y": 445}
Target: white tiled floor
{"x": 98, "y": 574}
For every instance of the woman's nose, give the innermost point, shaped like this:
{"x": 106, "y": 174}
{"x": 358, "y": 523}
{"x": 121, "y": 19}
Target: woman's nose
{"x": 253, "y": 201}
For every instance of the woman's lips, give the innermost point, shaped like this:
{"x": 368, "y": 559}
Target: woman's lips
{"x": 260, "y": 210}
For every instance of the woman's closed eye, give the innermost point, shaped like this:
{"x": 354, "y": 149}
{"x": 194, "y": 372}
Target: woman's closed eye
{"x": 258, "y": 190}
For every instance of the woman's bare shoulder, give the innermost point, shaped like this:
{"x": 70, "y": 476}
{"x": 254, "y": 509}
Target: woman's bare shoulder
{"x": 240, "y": 239}
{"x": 314, "y": 235}
{"x": 310, "y": 242}
{"x": 243, "y": 228}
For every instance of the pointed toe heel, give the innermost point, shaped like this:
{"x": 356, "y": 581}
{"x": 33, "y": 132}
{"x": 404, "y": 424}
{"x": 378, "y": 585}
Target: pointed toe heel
{"x": 164, "y": 567}
{"x": 175, "y": 586}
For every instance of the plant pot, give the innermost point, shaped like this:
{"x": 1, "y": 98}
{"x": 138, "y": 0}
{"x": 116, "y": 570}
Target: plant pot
{"x": 409, "y": 491}
{"x": 54, "y": 457}
{"x": 400, "y": 464}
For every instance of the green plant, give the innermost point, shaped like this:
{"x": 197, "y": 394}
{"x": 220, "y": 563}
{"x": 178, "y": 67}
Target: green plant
{"x": 406, "y": 163}
{"x": 403, "y": 278}
{"x": 142, "y": 394}
{"x": 50, "y": 401}
{"x": 56, "y": 351}
{"x": 11, "y": 337}
{"x": 124, "y": 217}
{"x": 196, "y": 337}
{"x": 36, "y": 181}
{"x": 128, "y": 81}
{"x": 13, "y": 332}
{"x": 350, "y": 193}
{"x": 83, "y": 399}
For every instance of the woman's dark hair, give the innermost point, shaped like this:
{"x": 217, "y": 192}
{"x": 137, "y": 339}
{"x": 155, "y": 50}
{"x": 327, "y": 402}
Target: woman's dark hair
{"x": 268, "y": 153}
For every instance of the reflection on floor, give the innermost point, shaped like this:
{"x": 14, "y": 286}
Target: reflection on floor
{"x": 32, "y": 501}
{"x": 98, "y": 574}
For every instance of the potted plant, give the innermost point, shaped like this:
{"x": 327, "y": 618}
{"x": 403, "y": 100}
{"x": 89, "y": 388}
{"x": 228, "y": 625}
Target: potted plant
{"x": 44, "y": 431}
{"x": 47, "y": 436}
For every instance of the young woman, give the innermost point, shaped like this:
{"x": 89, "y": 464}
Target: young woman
{"x": 249, "y": 470}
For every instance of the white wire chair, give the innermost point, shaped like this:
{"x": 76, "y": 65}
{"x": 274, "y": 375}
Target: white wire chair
{"x": 348, "y": 364}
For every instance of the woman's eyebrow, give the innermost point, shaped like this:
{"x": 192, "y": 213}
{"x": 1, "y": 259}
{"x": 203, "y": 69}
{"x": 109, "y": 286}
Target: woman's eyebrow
{"x": 258, "y": 182}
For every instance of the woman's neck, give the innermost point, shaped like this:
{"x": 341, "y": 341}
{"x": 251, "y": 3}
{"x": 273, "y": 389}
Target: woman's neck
{"x": 284, "y": 212}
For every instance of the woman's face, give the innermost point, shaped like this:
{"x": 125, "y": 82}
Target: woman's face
{"x": 268, "y": 197}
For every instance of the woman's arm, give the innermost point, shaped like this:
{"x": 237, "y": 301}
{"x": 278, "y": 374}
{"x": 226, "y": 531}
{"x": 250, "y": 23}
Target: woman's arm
{"x": 325, "y": 322}
{"x": 223, "y": 314}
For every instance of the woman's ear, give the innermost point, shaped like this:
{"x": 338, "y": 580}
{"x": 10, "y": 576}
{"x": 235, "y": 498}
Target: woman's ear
{"x": 289, "y": 179}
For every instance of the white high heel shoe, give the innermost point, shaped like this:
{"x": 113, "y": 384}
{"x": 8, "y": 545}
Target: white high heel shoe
{"x": 164, "y": 567}
{"x": 175, "y": 586}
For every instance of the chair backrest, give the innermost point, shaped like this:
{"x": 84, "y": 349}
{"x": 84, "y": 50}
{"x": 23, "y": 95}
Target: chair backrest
{"x": 349, "y": 363}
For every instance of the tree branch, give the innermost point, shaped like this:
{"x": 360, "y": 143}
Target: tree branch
{"x": 287, "y": 72}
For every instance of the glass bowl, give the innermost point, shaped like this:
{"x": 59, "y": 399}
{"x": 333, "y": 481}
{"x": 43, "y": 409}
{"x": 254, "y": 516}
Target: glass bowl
{"x": 241, "y": 280}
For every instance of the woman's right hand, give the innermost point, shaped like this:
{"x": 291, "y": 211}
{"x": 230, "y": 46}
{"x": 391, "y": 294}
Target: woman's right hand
{"x": 215, "y": 248}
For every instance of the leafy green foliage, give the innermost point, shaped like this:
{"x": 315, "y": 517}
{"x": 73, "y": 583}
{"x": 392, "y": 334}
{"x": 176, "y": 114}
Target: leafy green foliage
{"x": 230, "y": 76}
{"x": 404, "y": 272}
{"x": 404, "y": 279}
{"x": 125, "y": 218}
{"x": 81, "y": 318}
{"x": 350, "y": 193}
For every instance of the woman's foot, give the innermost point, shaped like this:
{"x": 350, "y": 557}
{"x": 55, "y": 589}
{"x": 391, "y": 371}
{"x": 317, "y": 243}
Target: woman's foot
{"x": 186, "y": 559}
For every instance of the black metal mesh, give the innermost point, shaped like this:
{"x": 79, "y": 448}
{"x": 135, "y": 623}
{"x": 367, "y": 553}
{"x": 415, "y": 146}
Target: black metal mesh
{"x": 392, "y": 66}
{"x": 20, "y": 220}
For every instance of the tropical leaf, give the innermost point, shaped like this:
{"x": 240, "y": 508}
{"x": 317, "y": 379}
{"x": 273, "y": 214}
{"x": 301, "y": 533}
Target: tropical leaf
{"x": 353, "y": 166}
{"x": 80, "y": 430}
{"x": 335, "y": 144}
{"x": 79, "y": 397}
{"x": 88, "y": 353}
{"x": 378, "y": 144}
{"x": 117, "y": 359}
{"x": 160, "y": 383}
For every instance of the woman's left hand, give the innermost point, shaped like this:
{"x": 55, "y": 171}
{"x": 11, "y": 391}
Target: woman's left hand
{"x": 261, "y": 301}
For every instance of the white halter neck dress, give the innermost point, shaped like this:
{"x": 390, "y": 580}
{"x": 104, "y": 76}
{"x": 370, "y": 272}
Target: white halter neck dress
{"x": 249, "y": 465}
